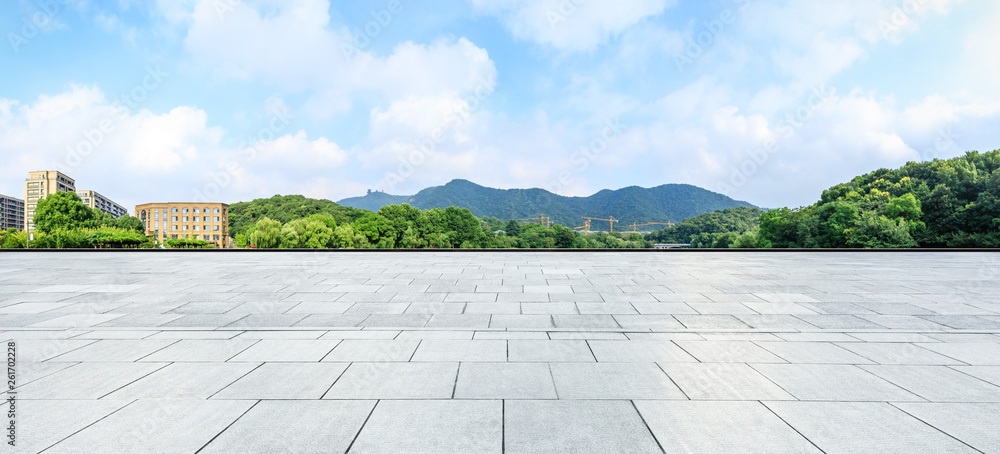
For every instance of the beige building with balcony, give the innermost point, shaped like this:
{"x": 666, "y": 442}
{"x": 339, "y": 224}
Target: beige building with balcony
{"x": 11, "y": 213}
{"x": 201, "y": 221}
{"x": 40, "y": 184}
{"x": 99, "y": 202}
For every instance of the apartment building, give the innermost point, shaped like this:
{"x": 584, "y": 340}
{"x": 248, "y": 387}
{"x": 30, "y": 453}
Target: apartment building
{"x": 11, "y": 213}
{"x": 39, "y": 185}
{"x": 99, "y": 202}
{"x": 201, "y": 221}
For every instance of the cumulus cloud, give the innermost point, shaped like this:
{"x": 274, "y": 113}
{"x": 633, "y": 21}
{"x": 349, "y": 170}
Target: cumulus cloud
{"x": 295, "y": 46}
{"x": 137, "y": 157}
{"x": 573, "y": 25}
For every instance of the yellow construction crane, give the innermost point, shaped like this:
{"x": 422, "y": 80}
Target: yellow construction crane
{"x": 585, "y": 227}
{"x": 541, "y": 220}
{"x": 634, "y": 225}
{"x": 611, "y": 220}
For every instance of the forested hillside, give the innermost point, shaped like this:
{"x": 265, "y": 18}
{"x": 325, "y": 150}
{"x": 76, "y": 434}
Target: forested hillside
{"x": 286, "y": 209}
{"x": 673, "y": 202}
{"x": 941, "y": 203}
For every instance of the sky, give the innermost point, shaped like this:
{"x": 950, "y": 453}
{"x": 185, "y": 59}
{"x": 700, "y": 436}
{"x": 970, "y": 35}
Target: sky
{"x": 767, "y": 101}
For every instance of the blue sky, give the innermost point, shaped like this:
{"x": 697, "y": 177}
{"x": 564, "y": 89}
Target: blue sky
{"x": 768, "y": 101}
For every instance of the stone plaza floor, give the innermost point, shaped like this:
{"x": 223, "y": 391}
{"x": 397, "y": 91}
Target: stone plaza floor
{"x": 467, "y": 352}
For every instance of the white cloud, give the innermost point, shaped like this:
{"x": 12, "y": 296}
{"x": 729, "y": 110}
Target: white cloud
{"x": 139, "y": 157}
{"x": 294, "y": 45}
{"x": 574, "y": 25}
{"x": 812, "y": 41}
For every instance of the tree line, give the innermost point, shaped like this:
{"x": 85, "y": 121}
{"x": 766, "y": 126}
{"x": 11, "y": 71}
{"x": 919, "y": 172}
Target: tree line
{"x": 939, "y": 203}
{"x": 406, "y": 227}
{"x": 62, "y": 220}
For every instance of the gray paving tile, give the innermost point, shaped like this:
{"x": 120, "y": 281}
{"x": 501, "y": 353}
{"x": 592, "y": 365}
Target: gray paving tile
{"x": 331, "y": 321}
{"x": 638, "y": 351}
{"x": 973, "y": 353}
{"x": 43, "y": 423}
{"x": 723, "y": 381}
{"x": 38, "y": 350}
{"x": 267, "y": 320}
{"x": 539, "y": 426}
{"x": 897, "y": 353}
{"x": 858, "y": 427}
{"x": 695, "y": 427}
{"x": 275, "y": 350}
{"x": 424, "y": 334}
{"x": 613, "y": 381}
{"x": 990, "y": 374}
{"x": 938, "y": 383}
{"x": 200, "y": 350}
{"x": 114, "y": 350}
{"x": 526, "y": 350}
{"x": 833, "y": 382}
{"x": 70, "y": 320}
{"x": 711, "y": 322}
{"x": 504, "y": 381}
{"x": 257, "y": 334}
{"x": 728, "y": 352}
{"x": 472, "y": 321}
{"x": 504, "y": 321}
{"x": 284, "y": 381}
{"x": 147, "y": 423}
{"x": 351, "y": 350}
{"x": 184, "y": 381}
{"x": 839, "y": 322}
{"x": 966, "y": 422}
{"x": 86, "y": 380}
{"x": 396, "y": 381}
{"x": 663, "y": 308}
{"x": 648, "y": 322}
{"x": 467, "y": 426}
{"x": 461, "y": 350}
{"x": 814, "y": 353}
{"x": 294, "y": 426}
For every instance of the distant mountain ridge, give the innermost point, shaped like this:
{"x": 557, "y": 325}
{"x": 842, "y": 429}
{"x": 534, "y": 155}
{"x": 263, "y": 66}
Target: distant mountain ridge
{"x": 669, "y": 202}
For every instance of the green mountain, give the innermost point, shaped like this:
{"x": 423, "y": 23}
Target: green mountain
{"x": 670, "y": 202}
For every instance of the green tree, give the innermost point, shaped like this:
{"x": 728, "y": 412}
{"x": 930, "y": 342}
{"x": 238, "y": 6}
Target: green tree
{"x": 373, "y": 226}
{"x": 266, "y": 234}
{"x": 129, "y": 223}
{"x": 463, "y": 227}
{"x": 62, "y": 211}
{"x": 878, "y": 232}
{"x": 513, "y": 228}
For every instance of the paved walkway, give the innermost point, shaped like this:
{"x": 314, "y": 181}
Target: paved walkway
{"x": 504, "y": 352}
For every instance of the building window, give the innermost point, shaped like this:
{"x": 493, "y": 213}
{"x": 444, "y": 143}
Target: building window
{"x": 196, "y": 228}
{"x": 173, "y": 236}
{"x": 185, "y": 210}
{"x": 173, "y": 219}
{"x": 216, "y": 219}
{"x": 184, "y": 228}
{"x": 215, "y": 228}
{"x": 216, "y": 211}
{"x": 215, "y": 238}
{"x": 173, "y": 210}
{"x": 196, "y": 210}
{"x": 173, "y": 227}
{"x": 185, "y": 218}
{"x": 206, "y": 237}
